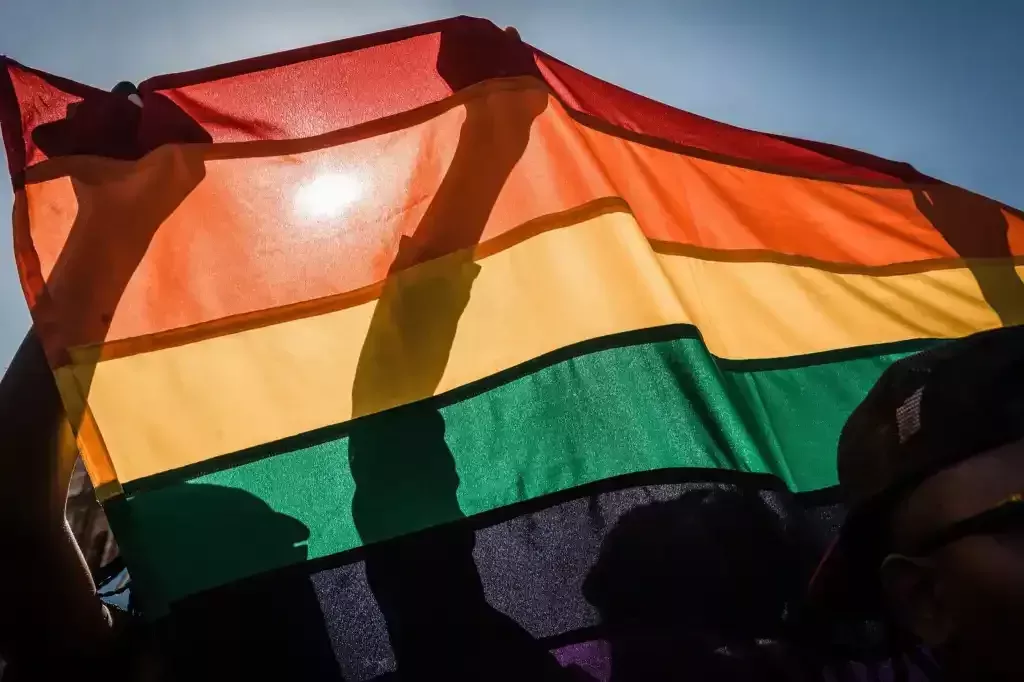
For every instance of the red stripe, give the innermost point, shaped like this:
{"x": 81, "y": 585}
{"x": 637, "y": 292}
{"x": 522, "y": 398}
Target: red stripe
{"x": 638, "y": 114}
{"x": 319, "y": 89}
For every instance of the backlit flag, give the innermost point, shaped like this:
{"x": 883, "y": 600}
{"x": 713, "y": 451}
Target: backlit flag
{"x": 433, "y": 278}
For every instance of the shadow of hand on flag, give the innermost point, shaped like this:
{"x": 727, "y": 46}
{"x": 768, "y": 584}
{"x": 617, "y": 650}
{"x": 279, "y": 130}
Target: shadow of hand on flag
{"x": 979, "y": 232}
{"x": 123, "y": 195}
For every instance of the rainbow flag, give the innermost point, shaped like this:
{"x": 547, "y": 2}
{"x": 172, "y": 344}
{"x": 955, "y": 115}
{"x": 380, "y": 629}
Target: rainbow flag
{"x": 349, "y": 296}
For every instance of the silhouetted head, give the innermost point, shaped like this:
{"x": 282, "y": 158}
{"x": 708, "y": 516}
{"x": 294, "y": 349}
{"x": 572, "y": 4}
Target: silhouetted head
{"x": 199, "y": 536}
{"x": 932, "y": 466}
{"x": 255, "y": 622}
{"x": 715, "y": 562}
{"x": 240, "y": 528}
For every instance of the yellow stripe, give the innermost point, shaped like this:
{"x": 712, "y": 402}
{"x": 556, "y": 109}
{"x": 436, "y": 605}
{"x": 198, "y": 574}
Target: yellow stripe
{"x": 178, "y": 406}
{"x": 768, "y": 310}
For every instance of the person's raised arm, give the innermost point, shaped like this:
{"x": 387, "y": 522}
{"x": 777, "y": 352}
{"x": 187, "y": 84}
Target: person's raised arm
{"x": 49, "y": 611}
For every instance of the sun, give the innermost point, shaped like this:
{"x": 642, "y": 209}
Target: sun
{"x": 328, "y": 195}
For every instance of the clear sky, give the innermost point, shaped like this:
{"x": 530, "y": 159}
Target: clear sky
{"x": 937, "y": 83}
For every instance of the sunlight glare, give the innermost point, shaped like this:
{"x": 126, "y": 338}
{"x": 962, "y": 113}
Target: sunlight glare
{"x": 328, "y": 195}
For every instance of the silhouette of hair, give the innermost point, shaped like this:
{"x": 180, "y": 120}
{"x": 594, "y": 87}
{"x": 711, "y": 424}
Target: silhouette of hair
{"x": 699, "y": 584}
{"x": 710, "y": 560}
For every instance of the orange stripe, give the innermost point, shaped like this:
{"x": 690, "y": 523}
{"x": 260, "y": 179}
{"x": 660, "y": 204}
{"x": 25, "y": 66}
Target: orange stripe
{"x": 190, "y": 235}
{"x": 87, "y": 435}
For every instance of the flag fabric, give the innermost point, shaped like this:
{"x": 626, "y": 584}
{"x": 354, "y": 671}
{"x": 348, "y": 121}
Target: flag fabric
{"x": 428, "y": 317}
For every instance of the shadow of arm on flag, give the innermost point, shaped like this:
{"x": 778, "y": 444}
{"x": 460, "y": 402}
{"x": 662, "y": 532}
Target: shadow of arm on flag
{"x": 428, "y": 587}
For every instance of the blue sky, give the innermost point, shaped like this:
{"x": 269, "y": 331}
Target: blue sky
{"x": 936, "y": 83}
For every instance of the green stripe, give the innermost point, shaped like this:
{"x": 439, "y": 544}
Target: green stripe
{"x": 620, "y": 410}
